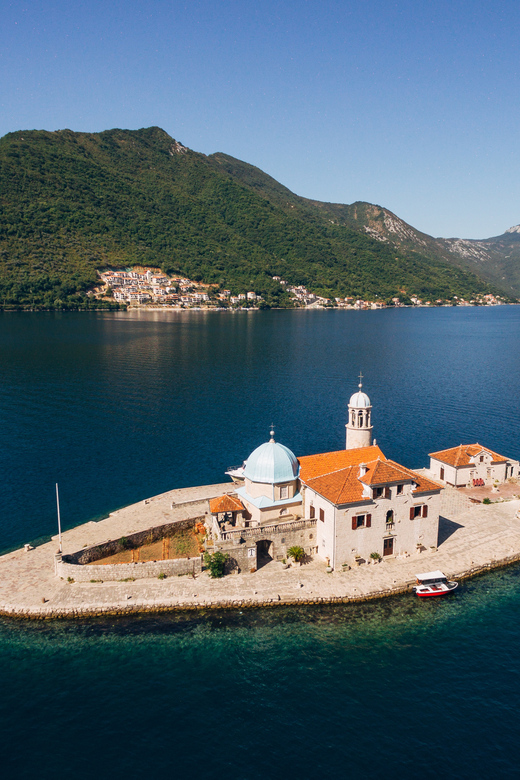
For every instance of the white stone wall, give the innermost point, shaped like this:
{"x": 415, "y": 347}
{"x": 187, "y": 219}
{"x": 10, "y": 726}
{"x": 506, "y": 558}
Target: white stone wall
{"x": 358, "y": 437}
{"x": 122, "y": 571}
{"x": 464, "y": 475}
{"x": 324, "y": 529}
{"x": 407, "y": 534}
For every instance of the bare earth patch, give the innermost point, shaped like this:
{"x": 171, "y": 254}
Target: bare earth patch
{"x": 185, "y": 543}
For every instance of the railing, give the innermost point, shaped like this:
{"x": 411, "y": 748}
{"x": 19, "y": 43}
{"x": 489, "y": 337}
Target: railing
{"x": 265, "y": 530}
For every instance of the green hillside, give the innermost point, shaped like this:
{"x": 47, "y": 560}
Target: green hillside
{"x": 76, "y": 202}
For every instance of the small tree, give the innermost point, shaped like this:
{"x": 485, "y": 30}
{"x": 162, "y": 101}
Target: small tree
{"x": 296, "y": 552}
{"x": 216, "y": 563}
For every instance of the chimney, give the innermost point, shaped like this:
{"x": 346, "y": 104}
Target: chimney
{"x": 362, "y": 470}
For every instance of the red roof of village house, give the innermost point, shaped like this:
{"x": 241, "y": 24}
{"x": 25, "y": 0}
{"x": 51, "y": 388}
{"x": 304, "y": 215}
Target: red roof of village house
{"x": 460, "y": 456}
{"x": 225, "y": 503}
{"x": 335, "y": 475}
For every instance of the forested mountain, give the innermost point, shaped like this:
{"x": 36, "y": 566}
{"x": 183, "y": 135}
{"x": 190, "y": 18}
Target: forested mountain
{"x": 76, "y": 202}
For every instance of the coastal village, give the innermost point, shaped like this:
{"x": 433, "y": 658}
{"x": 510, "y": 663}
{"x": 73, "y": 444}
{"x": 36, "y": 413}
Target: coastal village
{"x": 150, "y": 287}
{"x": 332, "y": 527}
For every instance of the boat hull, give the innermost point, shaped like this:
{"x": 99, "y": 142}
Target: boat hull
{"x": 427, "y": 592}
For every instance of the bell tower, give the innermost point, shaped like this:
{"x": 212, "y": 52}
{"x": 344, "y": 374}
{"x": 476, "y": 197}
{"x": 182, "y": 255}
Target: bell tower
{"x": 359, "y": 426}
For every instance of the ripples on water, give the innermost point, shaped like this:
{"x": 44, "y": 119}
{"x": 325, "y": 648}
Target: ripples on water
{"x": 119, "y": 407}
{"x": 396, "y": 688}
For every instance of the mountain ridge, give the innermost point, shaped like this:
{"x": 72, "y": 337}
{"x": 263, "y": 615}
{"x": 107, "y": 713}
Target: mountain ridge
{"x": 75, "y": 202}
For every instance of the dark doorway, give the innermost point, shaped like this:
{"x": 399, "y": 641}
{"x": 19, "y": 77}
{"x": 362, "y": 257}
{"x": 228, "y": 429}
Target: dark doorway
{"x": 264, "y": 549}
{"x": 388, "y": 546}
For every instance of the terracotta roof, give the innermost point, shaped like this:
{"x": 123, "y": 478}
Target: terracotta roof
{"x": 339, "y": 487}
{"x": 343, "y": 485}
{"x": 225, "y": 503}
{"x": 384, "y": 471}
{"x": 460, "y": 456}
{"x": 328, "y": 462}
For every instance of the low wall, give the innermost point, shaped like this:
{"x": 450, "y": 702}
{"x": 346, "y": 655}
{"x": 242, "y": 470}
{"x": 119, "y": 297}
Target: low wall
{"x": 126, "y": 571}
{"x": 131, "y": 542}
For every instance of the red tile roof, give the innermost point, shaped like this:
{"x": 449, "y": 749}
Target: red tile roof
{"x": 335, "y": 475}
{"x": 225, "y": 503}
{"x": 460, "y": 456}
{"x": 327, "y": 462}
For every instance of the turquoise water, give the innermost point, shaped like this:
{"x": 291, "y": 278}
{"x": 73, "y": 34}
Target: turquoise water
{"x": 119, "y": 407}
{"x": 392, "y": 689}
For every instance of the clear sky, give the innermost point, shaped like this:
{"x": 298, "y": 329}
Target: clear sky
{"x": 411, "y": 104}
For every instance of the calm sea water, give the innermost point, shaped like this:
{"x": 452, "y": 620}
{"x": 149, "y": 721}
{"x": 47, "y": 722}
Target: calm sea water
{"x": 117, "y": 407}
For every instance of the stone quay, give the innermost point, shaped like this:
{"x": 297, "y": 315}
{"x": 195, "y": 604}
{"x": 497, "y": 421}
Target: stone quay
{"x": 473, "y": 538}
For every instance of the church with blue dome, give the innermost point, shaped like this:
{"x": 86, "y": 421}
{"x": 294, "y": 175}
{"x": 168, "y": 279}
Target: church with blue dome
{"x": 270, "y": 477}
{"x": 344, "y": 507}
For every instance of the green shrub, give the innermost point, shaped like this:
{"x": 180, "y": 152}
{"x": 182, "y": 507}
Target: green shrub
{"x": 486, "y": 500}
{"x": 161, "y": 576}
{"x": 375, "y": 556}
{"x": 216, "y": 563}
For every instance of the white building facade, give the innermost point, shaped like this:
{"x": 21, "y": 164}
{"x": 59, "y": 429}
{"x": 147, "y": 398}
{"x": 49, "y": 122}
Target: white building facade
{"x": 471, "y": 465}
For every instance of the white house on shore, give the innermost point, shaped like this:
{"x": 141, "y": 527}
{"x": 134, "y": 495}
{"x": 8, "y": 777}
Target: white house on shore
{"x": 469, "y": 465}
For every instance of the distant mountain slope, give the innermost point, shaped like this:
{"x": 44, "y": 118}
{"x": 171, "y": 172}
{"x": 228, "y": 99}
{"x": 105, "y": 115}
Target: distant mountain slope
{"x": 75, "y": 202}
{"x": 496, "y": 260}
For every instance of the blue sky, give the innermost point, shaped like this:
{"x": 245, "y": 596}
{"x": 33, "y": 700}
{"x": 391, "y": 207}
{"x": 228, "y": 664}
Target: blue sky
{"x": 410, "y": 104}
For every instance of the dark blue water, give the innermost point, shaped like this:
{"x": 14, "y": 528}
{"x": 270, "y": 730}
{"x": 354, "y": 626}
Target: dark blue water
{"x": 120, "y": 407}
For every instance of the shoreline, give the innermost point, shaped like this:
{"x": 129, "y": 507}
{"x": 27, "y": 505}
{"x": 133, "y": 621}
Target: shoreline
{"x": 157, "y": 609}
{"x": 473, "y": 539}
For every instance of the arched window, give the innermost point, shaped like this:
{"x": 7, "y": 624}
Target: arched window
{"x": 360, "y": 419}
{"x": 390, "y": 516}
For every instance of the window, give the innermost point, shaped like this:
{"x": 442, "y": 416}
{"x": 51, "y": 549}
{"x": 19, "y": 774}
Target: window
{"x": 284, "y": 491}
{"x": 312, "y": 512}
{"x": 400, "y": 490}
{"x": 418, "y": 511}
{"x": 378, "y": 492}
{"x": 361, "y": 521}
{"x": 482, "y": 459}
{"x": 322, "y": 515}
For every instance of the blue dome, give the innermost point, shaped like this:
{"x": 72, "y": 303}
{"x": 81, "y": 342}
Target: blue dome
{"x": 359, "y": 400}
{"x": 272, "y": 463}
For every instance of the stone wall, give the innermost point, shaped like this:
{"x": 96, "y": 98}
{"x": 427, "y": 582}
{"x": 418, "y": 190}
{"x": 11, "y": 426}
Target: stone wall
{"x": 243, "y": 555}
{"x": 127, "y": 571}
{"x": 131, "y": 542}
{"x": 74, "y": 565}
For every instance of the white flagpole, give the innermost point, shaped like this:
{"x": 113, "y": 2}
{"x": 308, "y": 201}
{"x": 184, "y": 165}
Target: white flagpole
{"x": 59, "y": 519}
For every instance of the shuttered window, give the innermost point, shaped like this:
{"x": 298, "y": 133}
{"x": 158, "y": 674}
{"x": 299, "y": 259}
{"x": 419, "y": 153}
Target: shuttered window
{"x": 312, "y": 512}
{"x": 425, "y": 511}
{"x": 360, "y": 521}
{"x": 322, "y": 515}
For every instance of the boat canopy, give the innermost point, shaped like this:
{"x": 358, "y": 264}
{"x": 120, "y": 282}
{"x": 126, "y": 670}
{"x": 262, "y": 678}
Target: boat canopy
{"x": 431, "y": 575}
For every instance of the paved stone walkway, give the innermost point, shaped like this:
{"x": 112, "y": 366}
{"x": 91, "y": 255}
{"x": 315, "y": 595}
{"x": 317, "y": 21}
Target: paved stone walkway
{"x": 470, "y": 540}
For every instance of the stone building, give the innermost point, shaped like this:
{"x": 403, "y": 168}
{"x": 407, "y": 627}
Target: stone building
{"x": 342, "y": 506}
{"x": 469, "y": 465}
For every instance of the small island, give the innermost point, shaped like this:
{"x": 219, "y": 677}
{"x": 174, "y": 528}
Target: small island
{"x": 334, "y": 527}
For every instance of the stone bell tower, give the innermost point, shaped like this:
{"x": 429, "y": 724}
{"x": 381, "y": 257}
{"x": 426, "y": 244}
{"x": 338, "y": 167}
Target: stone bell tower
{"x": 359, "y": 426}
